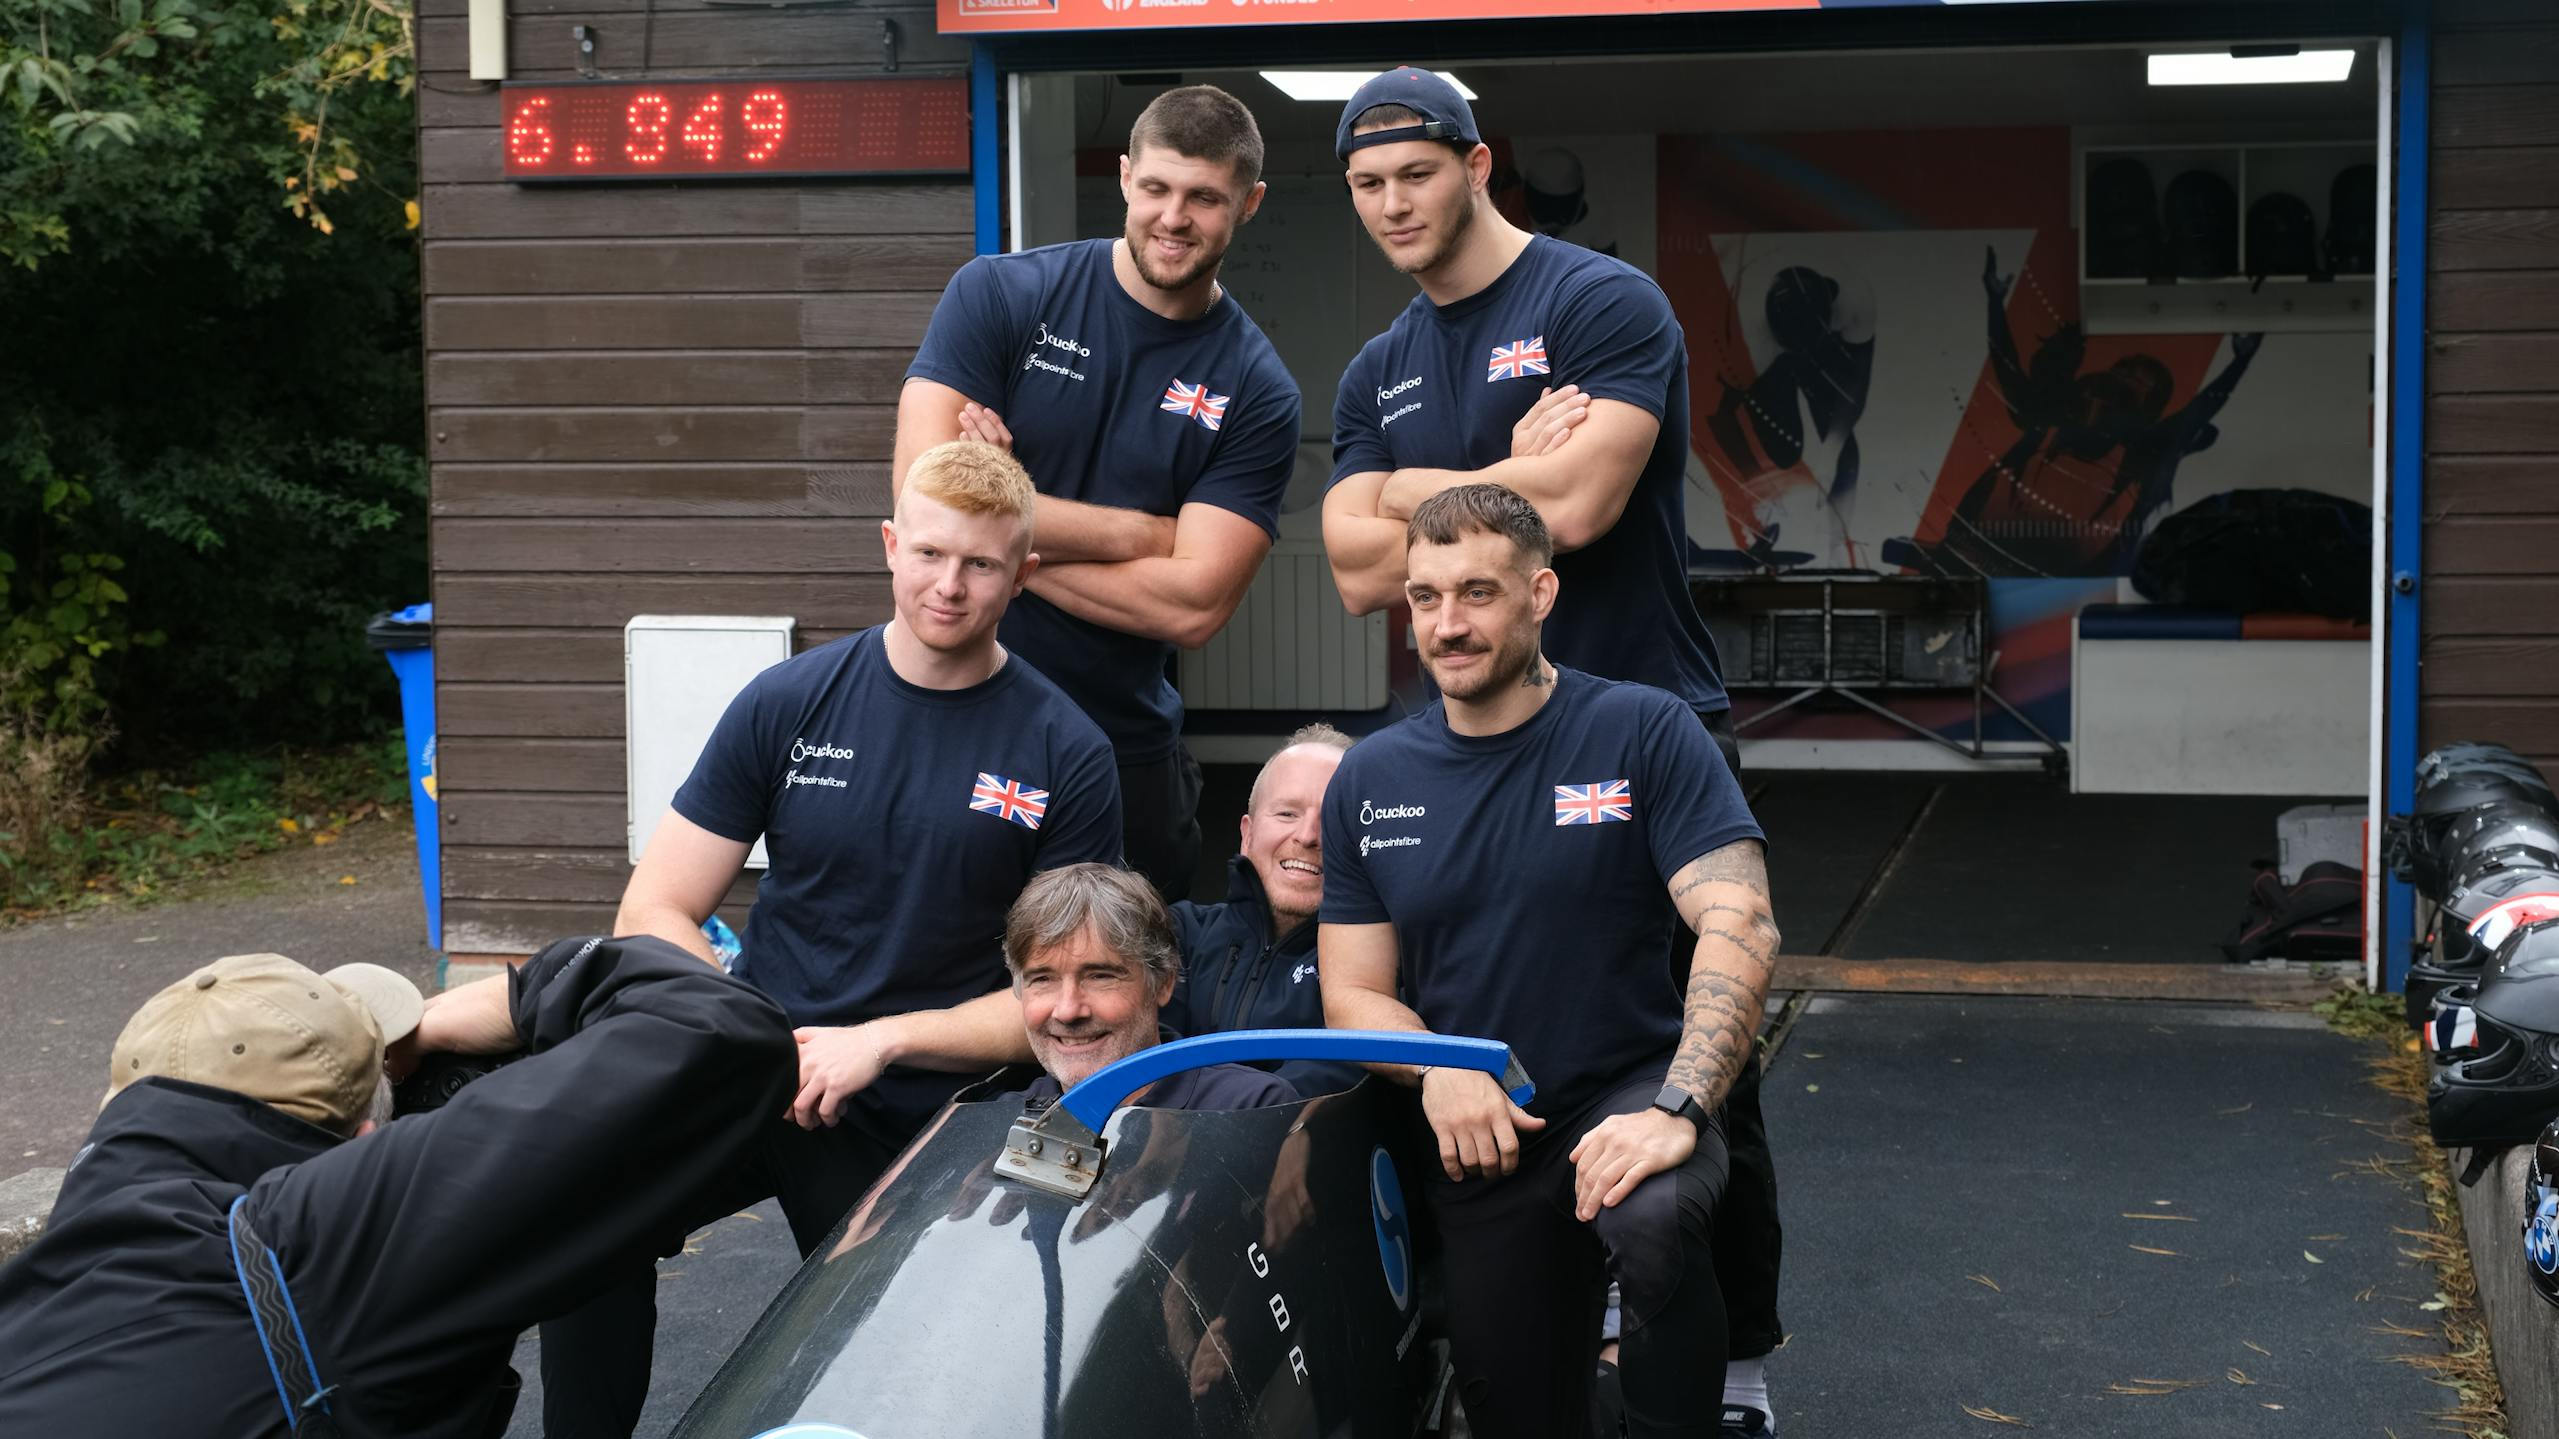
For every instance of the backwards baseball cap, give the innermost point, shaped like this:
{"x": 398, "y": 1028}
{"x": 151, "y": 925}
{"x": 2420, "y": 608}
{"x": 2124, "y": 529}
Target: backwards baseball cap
{"x": 261, "y": 1025}
{"x": 1443, "y": 111}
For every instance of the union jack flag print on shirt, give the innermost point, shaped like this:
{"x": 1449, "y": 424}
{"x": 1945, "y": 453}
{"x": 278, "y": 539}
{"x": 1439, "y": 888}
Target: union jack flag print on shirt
{"x": 1009, "y": 800}
{"x": 1593, "y": 803}
{"x": 1519, "y": 357}
{"x": 1197, "y": 402}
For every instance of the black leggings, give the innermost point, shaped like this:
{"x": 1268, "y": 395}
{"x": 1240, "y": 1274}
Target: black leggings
{"x": 596, "y": 1358}
{"x": 1526, "y": 1282}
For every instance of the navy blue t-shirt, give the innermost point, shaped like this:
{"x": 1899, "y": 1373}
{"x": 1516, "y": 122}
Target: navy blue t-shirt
{"x": 1527, "y": 873}
{"x": 1112, "y": 404}
{"x": 1443, "y": 386}
{"x": 902, "y": 823}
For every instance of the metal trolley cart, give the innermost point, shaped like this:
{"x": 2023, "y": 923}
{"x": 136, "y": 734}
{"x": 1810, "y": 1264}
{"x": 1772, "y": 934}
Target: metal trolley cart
{"x": 1862, "y": 637}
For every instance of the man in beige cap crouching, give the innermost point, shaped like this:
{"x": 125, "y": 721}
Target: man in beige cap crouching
{"x": 236, "y": 1251}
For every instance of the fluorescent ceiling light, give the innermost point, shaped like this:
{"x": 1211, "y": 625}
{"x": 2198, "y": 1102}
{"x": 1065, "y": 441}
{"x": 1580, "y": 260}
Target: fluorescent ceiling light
{"x": 2268, "y": 65}
{"x": 1338, "y": 85}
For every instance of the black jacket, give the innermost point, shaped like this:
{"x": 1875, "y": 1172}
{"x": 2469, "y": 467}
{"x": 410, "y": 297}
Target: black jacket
{"x": 1233, "y": 977}
{"x": 415, "y": 1255}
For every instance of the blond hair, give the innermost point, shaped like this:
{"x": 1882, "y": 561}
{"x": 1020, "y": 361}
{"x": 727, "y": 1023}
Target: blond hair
{"x": 974, "y": 478}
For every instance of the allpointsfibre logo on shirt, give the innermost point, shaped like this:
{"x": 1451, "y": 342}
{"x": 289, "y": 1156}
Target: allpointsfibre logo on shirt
{"x": 1047, "y": 349}
{"x": 1000, "y": 7}
{"x": 1386, "y": 395}
{"x": 802, "y": 752}
{"x": 1370, "y": 812}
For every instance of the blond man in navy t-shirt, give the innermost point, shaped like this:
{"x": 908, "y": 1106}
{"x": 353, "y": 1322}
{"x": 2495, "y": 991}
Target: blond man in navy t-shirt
{"x": 908, "y": 781}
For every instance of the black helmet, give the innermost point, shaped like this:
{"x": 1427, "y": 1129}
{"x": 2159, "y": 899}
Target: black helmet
{"x": 2202, "y": 214}
{"x": 2125, "y": 241}
{"x": 2462, "y": 754}
{"x": 2452, "y": 1031}
{"x": 2493, "y": 837}
{"x": 2522, "y": 772}
{"x": 2436, "y": 983}
{"x": 2350, "y": 220}
{"x": 2504, "y": 1093}
{"x": 2541, "y": 1216}
{"x": 2417, "y": 854}
{"x": 2283, "y": 237}
{"x": 2484, "y": 908}
{"x": 2498, "y": 1096}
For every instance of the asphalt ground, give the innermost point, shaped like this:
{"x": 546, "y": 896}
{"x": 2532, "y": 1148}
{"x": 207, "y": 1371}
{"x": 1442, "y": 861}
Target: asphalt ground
{"x": 2116, "y": 1220}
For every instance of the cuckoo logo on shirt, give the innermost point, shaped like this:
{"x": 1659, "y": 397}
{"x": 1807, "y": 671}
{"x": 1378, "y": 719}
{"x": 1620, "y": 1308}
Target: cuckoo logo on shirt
{"x": 1056, "y": 354}
{"x": 807, "y": 752}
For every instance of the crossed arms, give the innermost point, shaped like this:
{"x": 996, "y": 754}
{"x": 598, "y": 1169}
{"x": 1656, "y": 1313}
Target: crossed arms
{"x": 1579, "y": 490}
{"x": 1172, "y": 579}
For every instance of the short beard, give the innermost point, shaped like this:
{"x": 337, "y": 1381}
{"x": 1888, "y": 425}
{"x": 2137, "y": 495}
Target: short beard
{"x": 1459, "y": 222}
{"x": 1503, "y": 671}
{"x": 1173, "y": 283}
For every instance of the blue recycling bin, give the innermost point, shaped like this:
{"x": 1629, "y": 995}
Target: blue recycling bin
{"x": 406, "y": 638}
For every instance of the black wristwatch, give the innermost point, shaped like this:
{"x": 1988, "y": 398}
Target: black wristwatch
{"x": 1680, "y": 1104}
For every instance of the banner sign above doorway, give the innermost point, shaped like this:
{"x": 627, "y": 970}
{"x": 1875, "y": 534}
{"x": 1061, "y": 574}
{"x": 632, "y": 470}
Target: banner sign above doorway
{"x": 986, "y": 17}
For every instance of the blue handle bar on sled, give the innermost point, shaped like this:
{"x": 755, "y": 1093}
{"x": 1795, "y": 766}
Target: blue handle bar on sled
{"x": 1103, "y": 1091}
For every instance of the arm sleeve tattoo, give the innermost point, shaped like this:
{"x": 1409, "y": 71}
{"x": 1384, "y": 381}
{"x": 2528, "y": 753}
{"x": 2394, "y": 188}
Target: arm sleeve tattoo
{"x": 1723, "y": 897}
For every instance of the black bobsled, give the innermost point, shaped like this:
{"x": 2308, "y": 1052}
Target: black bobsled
{"x": 1088, "y": 1271}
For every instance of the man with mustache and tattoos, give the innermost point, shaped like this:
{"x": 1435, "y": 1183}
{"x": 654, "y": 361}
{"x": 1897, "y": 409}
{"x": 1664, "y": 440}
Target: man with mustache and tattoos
{"x": 1507, "y": 864}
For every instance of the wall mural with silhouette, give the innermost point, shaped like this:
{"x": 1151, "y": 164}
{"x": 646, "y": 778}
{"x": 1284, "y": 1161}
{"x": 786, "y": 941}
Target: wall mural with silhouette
{"x": 1889, "y": 372}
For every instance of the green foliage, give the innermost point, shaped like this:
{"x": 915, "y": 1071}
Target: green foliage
{"x": 154, "y": 828}
{"x": 231, "y": 396}
{"x": 85, "y": 84}
{"x": 2358, "y": 1013}
{"x": 61, "y": 612}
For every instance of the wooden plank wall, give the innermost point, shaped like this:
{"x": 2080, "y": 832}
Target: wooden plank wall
{"x": 642, "y": 400}
{"x": 2490, "y": 605}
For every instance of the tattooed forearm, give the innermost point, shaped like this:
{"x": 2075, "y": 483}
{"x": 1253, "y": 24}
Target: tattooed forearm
{"x": 1723, "y": 896}
{"x": 1727, "y": 990}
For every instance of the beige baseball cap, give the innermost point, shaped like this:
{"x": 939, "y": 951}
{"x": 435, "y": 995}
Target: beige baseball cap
{"x": 264, "y": 1026}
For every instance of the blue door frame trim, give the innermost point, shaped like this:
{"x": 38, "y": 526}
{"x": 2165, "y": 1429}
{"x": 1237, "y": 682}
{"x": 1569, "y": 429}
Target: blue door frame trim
{"x": 986, "y": 148}
{"x": 2407, "y": 463}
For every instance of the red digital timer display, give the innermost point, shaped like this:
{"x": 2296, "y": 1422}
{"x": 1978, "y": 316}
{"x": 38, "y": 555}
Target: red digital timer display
{"x": 702, "y": 129}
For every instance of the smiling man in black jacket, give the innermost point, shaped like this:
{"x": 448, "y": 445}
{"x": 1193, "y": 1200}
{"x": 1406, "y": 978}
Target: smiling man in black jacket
{"x": 1249, "y": 962}
{"x": 395, "y": 1263}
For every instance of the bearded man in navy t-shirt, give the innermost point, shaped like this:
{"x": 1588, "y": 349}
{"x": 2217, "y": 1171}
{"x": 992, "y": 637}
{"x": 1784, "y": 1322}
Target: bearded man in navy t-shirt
{"x": 1507, "y": 864}
{"x": 1160, "y": 427}
{"x": 908, "y": 782}
{"x": 1562, "y": 374}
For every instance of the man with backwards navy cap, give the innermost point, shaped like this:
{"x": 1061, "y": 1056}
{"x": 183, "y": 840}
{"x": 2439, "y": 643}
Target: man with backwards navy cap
{"x": 1561, "y": 374}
